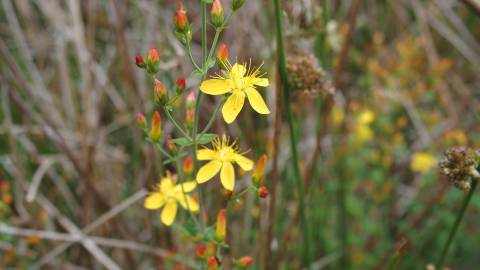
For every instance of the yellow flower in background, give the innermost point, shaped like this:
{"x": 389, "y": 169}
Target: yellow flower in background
{"x": 221, "y": 158}
{"x": 422, "y": 162}
{"x": 168, "y": 195}
{"x": 362, "y": 131}
{"x": 365, "y": 117}
{"x": 240, "y": 82}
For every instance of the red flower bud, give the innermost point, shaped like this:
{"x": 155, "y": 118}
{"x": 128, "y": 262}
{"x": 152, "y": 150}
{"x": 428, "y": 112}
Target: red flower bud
{"x": 245, "y": 261}
{"x": 262, "y": 192}
{"x": 180, "y": 85}
{"x": 212, "y": 263}
{"x": 141, "y": 121}
{"x": 200, "y": 250}
{"x": 216, "y": 13}
{"x": 156, "y": 128}
{"x": 222, "y": 53}
{"x": 190, "y": 103}
{"x": 221, "y": 226}
{"x": 180, "y": 19}
{"x": 259, "y": 171}
{"x": 160, "y": 93}
{"x": 188, "y": 165}
{"x": 153, "y": 57}
{"x": 171, "y": 145}
{"x": 139, "y": 61}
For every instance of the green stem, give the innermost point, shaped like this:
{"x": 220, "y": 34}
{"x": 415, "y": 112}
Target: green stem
{"x": 190, "y": 56}
{"x": 170, "y": 117}
{"x": 293, "y": 139}
{"x": 454, "y": 229}
{"x": 218, "y": 31}
{"x": 210, "y": 122}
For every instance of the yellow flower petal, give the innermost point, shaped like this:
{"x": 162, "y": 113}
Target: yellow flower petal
{"x": 215, "y": 87}
{"x": 154, "y": 201}
{"x": 187, "y": 186}
{"x": 169, "y": 212}
{"x": 166, "y": 184}
{"x": 205, "y": 154}
{"x": 244, "y": 163}
{"x": 184, "y": 198}
{"x": 227, "y": 176}
{"x": 208, "y": 171}
{"x": 238, "y": 71}
{"x": 263, "y": 82}
{"x": 256, "y": 101}
{"x": 233, "y": 106}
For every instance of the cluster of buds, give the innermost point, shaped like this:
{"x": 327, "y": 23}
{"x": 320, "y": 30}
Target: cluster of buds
{"x": 160, "y": 93}
{"x": 183, "y": 30}
{"x": 258, "y": 176}
{"x": 459, "y": 165}
{"x": 216, "y": 14}
{"x": 190, "y": 109}
{"x": 222, "y": 56}
{"x": 152, "y": 65}
{"x": 244, "y": 262}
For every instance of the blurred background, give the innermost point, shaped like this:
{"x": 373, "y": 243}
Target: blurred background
{"x": 382, "y": 88}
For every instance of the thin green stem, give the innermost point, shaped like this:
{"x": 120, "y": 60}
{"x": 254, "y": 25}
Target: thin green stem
{"x": 190, "y": 56}
{"x": 293, "y": 139}
{"x": 210, "y": 122}
{"x": 454, "y": 229}
{"x": 177, "y": 126}
{"x": 218, "y": 31}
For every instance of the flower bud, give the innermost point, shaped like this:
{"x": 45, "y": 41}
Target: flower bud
{"x": 227, "y": 193}
{"x": 212, "y": 263}
{"x": 180, "y": 20}
{"x": 259, "y": 171}
{"x": 236, "y": 4}
{"x": 153, "y": 57}
{"x": 262, "y": 192}
{"x": 156, "y": 128}
{"x": 221, "y": 227}
{"x": 4, "y": 185}
{"x": 180, "y": 85}
{"x": 141, "y": 121}
{"x": 222, "y": 55}
{"x": 171, "y": 145}
{"x": 139, "y": 61}
{"x": 189, "y": 117}
{"x": 188, "y": 165}
{"x": 190, "y": 103}
{"x": 245, "y": 262}
{"x": 216, "y": 14}
{"x": 160, "y": 93}
{"x": 211, "y": 249}
{"x": 200, "y": 250}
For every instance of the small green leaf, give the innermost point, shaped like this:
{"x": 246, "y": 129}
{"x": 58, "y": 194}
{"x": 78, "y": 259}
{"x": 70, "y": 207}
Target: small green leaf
{"x": 201, "y": 139}
{"x": 208, "y": 1}
{"x": 210, "y": 62}
{"x": 197, "y": 73}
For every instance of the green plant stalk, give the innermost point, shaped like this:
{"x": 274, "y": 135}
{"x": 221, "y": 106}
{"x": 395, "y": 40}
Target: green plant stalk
{"x": 170, "y": 117}
{"x": 215, "y": 113}
{"x": 458, "y": 220}
{"x": 342, "y": 216}
{"x": 293, "y": 139}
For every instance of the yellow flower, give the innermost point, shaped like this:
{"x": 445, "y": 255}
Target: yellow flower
{"x": 168, "y": 194}
{"x": 239, "y": 82}
{"x": 422, "y": 162}
{"x": 221, "y": 158}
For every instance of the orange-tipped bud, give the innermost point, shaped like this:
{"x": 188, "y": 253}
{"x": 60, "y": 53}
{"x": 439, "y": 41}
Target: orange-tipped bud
{"x": 262, "y": 192}
{"x": 156, "y": 127}
{"x": 139, "y": 61}
{"x": 227, "y": 193}
{"x": 222, "y": 55}
{"x": 160, "y": 93}
{"x": 216, "y": 13}
{"x": 171, "y": 145}
{"x": 190, "y": 117}
{"x": 153, "y": 57}
{"x": 180, "y": 20}
{"x": 221, "y": 227}
{"x": 4, "y": 185}
{"x": 201, "y": 250}
{"x": 180, "y": 85}
{"x": 211, "y": 249}
{"x": 259, "y": 171}
{"x": 190, "y": 103}
{"x": 188, "y": 165}
{"x": 141, "y": 121}
{"x": 212, "y": 263}
{"x": 245, "y": 261}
